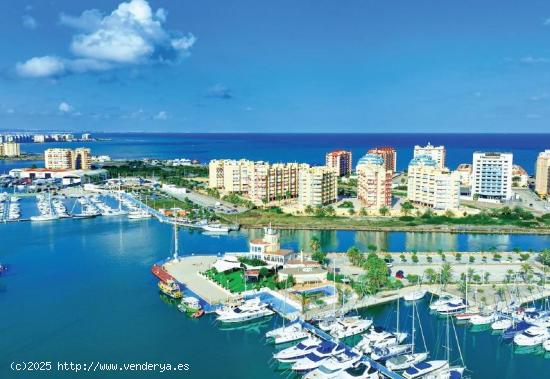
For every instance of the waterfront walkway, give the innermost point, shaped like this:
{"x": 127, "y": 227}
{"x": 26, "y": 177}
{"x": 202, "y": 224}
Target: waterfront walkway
{"x": 187, "y": 271}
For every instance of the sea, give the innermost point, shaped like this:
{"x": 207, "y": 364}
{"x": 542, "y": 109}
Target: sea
{"x": 296, "y": 147}
{"x": 81, "y": 291}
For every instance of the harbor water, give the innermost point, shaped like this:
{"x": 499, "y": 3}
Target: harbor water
{"x": 81, "y": 291}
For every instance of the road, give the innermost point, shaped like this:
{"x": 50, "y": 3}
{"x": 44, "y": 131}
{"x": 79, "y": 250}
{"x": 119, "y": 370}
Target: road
{"x": 206, "y": 201}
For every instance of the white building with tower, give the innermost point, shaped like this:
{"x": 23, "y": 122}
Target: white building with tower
{"x": 437, "y": 153}
{"x": 492, "y": 176}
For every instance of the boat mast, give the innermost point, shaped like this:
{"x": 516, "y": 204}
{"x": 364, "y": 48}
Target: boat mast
{"x": 176, "y": 247}
{"x": 412, "y": 332}
{"x": 398, "y": 315}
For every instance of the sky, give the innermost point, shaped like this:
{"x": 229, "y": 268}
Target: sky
{"x": 275, "y": 66}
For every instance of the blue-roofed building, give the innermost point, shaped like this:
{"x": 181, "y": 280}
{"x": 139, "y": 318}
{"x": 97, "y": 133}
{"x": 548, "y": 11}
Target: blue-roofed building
{"x": 374, "y": 182}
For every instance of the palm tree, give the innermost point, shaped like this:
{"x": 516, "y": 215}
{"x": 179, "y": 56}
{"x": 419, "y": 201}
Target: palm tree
{"x": 383, "y": 211}
{"x": 525, "y": 270}
{"x": 431, "y": 275}
{"x": 314, "y": 244}
{"x": 446, "y": 274}
{"x": 470, "y": 274}
{"x": 406, "y": 208}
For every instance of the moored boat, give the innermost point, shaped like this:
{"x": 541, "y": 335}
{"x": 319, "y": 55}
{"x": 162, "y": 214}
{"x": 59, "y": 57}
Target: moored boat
{"x": 189, "y": 304}
{"x": 422, "y": 369}
{"x": 415, "y": 295}
{"x": 170, "y": 288}
{"x": 299, "y": 351}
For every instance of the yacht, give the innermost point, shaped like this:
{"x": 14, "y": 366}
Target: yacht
{"x": 138, "y": 214}
{"x": 484, "y": 319}
{"x": 518, "y": 328}
{"x": 331, "y": 367}
{"x": 415, "y": 295}
{"x": 215, "y": 228}
{"x": 502, "y": 324}
{"x": 441, "y": 301}
{"x": 402, "y": 362}
{"x": 385, "y": 353}
{"x": 535, "y": 335}
{"x": 289, "y": 333}
{"x": 315, "y": 358}
{"x": 379, "y": 341}
{"x": 250, "y": 310}
{"x": 361, "y": 370}
{"x": 452, "y": 307}
{"x": 299, "y": 351}
{"x": 45, "y": 217}
{"x": 348, "y": 327}
{"x": 423, "y": 369}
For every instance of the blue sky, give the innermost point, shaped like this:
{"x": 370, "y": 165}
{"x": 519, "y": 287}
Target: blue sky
{"x": 275, "y": 66}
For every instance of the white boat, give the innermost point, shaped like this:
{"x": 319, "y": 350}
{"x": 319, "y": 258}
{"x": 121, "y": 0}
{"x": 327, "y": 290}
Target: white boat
{"x": 452, "y": 307}
{"x": 361, "y": 370}
{"x": 441, "y": 301}
{"x": 348, "y": 327}
{"x": 45, "y": 217}
{"x": 501, "y": 324}
{"x": 422, "y": 369}
{"x": 386, "y": 353}
{"x": 532, "y": 336}
{"x": 402, "y": 362}
{"x": 138, "y": 215}
{"x": 546, "y": 345}
{"x": 484, "y": 319}
{"x": 289, "y": 333}
{"x": 314, "y": 359}
{"x": 415, "y": 295}
{"x": 215, "y": 228}
{"x": 250, "y": 310}
{"x": 299, "y": 351}
{"x": 331, "y": 367}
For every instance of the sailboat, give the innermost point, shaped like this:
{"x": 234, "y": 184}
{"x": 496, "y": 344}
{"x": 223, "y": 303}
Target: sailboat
{"x": 403, "y": 362}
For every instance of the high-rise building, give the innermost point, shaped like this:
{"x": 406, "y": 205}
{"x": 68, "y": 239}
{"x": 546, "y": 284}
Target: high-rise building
{"x": 67, "y": 159}
{"x": 230, "y": 175}
{"x": 465, "y": 172}
{"x": 492, "y": 176}
{"x": 10, "y": 149}
{"x": 542, "y": 173}
{"x": 339, "y": 160}
{"x": 388, "y": 154}
{"x": 374, "y": 182}
{"x": 436, "y": 152}
{"x": 318, "y": 186}
{"x": 431, "y": 186}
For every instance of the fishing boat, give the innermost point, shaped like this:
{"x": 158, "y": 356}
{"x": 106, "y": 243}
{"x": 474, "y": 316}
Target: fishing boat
{"x": 361, "y": 370}
{"x": 250, "y": 310}
{"x": 189, "y": 304}
{"x": 415, "y": 295}
{"x": 533, "y": 336}
{"x": 422, "y": 369}
{"x": 170, "y": 288}
{"x": 331, "y": 367}
{"x": 289, "y": 333}
{"x": 294, "y": 353}
{"x": 315, "y": 358}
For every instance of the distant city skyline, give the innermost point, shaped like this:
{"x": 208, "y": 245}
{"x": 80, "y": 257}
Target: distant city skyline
{"x": 275, "y": 67}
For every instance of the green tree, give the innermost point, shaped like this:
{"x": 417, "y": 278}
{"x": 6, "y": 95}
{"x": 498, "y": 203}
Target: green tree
{"x": 384, "y": 211}
{"x": 406, "y": 208}
{"x": 431, "y": 275}
{"x": 544, "y": 257}
{"x": 446, "y": 274}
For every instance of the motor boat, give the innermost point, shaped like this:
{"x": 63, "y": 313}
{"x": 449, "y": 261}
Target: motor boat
{"x": 533, "y": 336}
{"x": 294, "y": 353}
{"x": 415, "y": 295}
{"x": 441, "y": 301}
{"x": 385, "y": 353}
{"x": 289, "y": 333}
{"x": 189, "y": 304}
{"x": 368, "y": 344}
{"x": 538, "y": 318}
{"x": 170, "y": 288}
{"x": 250, "y": 310}
{"x": 45, "y": 217}
{"x": 546, "y": 345}
{"x": 452, "y": 307}
{"x": 501, "y": 324}
{"x": 138, "y": 215}
{"x": 402, "y": 362}
{"x": 518, "y": 328}
{"x": 422, "y": 369}
{"x": 215, "y": 228}
{"x": 315, "y": 358}
{"x": 348, "y": 327}
{"x": 484, "y": 319}
{"x": 331, "y": 367}
{"x": 361, "y": 370}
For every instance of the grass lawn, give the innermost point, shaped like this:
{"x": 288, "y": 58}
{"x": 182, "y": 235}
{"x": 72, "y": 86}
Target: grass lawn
{"x": 233, "y": 281}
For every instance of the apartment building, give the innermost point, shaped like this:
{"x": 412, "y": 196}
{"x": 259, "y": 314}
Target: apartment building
{"x": 436, "y": 152}
{"x": 431, "y": 186}
{"x": 340, "y": 160}
{"x": 465, "y": 172}
{"x": 388, "y": 154}
{"x": 10, "y": 149}
{"x": 492, "y": 176}
{"x": 542, "y": 173}
{"x": 318, "y": 186}
{"x": 374, "y": 182}
{"x": 67, "y": 159}
{"x": 230, "y": 175}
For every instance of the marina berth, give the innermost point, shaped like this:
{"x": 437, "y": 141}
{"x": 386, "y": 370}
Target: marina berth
{"x": 299, "y": 351}
{"x": 250, "y": 310}
{"x": 532, "y": 336}
{"x": 422, "y": 369}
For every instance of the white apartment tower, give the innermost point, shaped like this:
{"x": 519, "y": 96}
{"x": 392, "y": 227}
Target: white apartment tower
{"x": 318, "y": 186}
{"x": 374, "y": 182}
{"x": 542, "y": 173}
{"x": 437, "y": 153}
{"x": 492, "y": 176}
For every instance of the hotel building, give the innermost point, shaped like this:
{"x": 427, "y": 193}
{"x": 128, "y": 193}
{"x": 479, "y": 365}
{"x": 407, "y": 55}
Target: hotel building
{"x": 492, "y": 176}
{"x": 10, "y": 149}
{"x": 436, "y": 152}
{"x": 340, "y": 160}
{"x": 374, "y": 182}
{"x": 388, "y": 154}
{"x": 542, "y": 173}
{"x": 431, "y": 186}
{"x": 67, "y": 159}
{"x": 318, "y": 186}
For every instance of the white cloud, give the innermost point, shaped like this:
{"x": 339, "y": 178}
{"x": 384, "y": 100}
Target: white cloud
{"x": 29, "y": 22}
{"x": 532, "y": 60}
{"x": 162, "y": 115}
{"x": 39, "y": 67}
{"x": 132, "y": 34}
{"x": 64, "y": 107}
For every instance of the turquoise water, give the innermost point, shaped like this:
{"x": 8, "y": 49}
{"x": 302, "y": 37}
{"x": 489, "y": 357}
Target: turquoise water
{"x": 81, "y": 291}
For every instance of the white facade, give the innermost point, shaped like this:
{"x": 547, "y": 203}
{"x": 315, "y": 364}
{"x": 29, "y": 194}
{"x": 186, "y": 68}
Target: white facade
{"x": 437, "y": 153}
{"x": 492, "y": 176}
{"x": 318, "y": 186}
